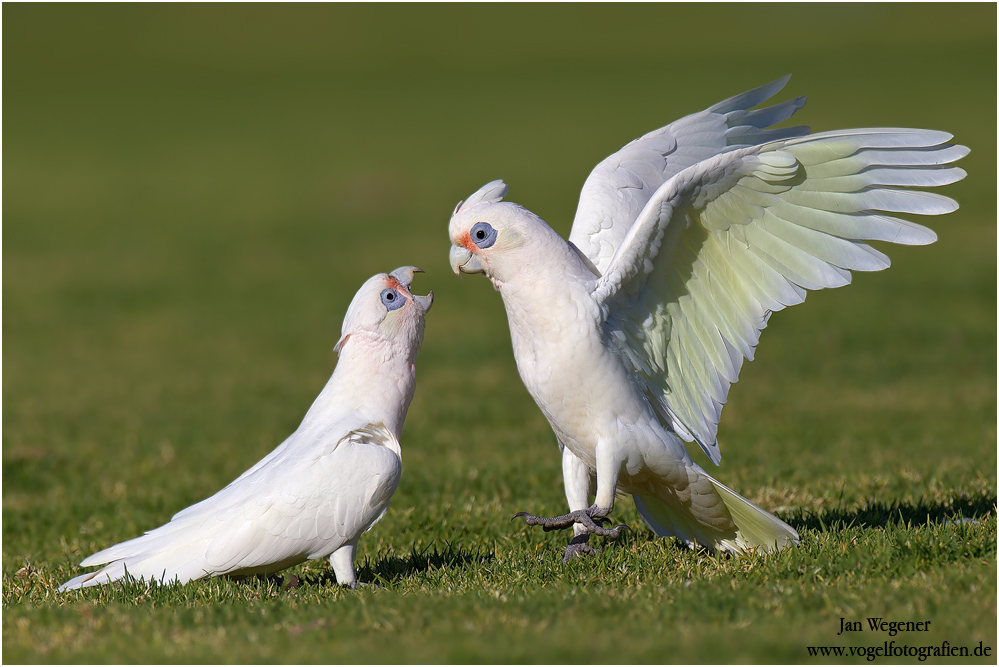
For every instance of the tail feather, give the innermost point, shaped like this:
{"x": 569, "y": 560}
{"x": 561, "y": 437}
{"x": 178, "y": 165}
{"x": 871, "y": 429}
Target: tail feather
{"x": 759, "y": 528}
{"x": 180, "y": 551}
{"x": 749, "y": 528}
{"x": 167, "y": 537}
{"x": 174, "y": 552}
{"x": 116, "y": 571}
{"x": 181, "y": 563}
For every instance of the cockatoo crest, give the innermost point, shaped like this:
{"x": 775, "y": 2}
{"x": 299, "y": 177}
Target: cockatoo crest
{"x": 490, "y": 193}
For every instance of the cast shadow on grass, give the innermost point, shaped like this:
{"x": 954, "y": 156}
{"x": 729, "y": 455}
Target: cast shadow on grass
{"x": 878, "y": 514}
{"x": 392, "y": 569}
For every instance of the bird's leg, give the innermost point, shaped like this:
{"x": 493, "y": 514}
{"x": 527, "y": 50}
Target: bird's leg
{"x": 342, "y": 561}
{"x": 577, "y": 477}
{"x": 588, "y": 521}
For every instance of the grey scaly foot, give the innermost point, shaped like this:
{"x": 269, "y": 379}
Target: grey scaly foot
{"x": 362, "y": 584}
{"x": 587, "y": 518}
{"x": 578, "y": 548}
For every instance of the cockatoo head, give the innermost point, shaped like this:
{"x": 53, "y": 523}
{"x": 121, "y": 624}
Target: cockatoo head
{"x": 486, "y": 234}
{"x": 385, "y": 308}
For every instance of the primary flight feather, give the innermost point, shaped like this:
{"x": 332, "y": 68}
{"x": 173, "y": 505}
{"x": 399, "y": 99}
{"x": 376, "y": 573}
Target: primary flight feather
{"x": 315, "y": 494}
{"x": 629, "y": 335}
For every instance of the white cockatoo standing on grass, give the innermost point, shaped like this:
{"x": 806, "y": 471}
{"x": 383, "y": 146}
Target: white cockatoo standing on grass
{"x": 685, "y": 241}
{"x": 315, "y": 494}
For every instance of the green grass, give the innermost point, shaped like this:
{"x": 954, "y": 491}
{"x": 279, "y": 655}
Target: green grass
{"x": 193, "y": 194}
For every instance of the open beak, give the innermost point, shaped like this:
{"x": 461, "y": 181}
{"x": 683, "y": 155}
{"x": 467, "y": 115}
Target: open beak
{"x": 404, "y": 274}
{"x": 463, "y": 261}
{"x": 424, "y": 302}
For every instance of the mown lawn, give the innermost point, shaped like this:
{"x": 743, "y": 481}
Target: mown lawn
{"x": 193, "y": 193}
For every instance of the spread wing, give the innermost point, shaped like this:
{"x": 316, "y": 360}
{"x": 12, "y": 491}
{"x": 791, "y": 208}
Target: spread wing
{"x": 618, "y": 188}
{"x": 725, "y": 242}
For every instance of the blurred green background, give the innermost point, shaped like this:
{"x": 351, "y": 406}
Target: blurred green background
{"x": 193, "y": 193}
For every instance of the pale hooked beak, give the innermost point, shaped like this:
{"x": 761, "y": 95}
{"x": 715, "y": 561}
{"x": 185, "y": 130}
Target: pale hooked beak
{"x": 424, "y": 302}
{"x": 463, "y": 261}
{"x": 404, "y": 274}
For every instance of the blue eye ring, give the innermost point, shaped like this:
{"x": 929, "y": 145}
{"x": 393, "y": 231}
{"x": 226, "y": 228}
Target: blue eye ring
{"x": 392, "y": 300}
{"x": 482, "y": 234}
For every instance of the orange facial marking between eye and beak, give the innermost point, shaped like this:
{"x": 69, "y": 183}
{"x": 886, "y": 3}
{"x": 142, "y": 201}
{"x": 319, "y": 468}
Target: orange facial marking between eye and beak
{"x": 393, "y": 283}
{"x": 465, "y": 241}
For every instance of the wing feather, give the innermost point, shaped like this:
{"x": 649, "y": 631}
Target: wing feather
{"x": 618, "y": 188}
{"x": 727, "y": 241}
{"x": 794, "y": 263}
{"x": 739, "y": 306}
{"x": 834, "y": 250}
{"x": 776, "y": 292}
{"x": 317, "y": 500}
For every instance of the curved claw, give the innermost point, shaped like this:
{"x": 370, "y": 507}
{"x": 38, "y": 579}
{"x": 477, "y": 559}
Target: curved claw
{"x": 578, "y": 547}
{"x": 613, "y": 532}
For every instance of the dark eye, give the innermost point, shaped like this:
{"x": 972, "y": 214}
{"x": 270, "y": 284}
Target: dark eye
{"x": 483, "y": 234}
{"x": 391, "y": 299}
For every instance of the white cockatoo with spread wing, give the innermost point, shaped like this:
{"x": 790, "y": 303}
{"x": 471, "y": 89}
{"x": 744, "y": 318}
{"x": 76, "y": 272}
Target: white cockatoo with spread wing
{"x": 629, "y": 335}
{"x": 330, "y": 481}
